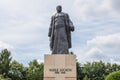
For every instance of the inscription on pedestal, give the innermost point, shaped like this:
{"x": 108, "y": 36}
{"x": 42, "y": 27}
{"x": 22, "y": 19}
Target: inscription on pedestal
{"x": 60, "y": 71}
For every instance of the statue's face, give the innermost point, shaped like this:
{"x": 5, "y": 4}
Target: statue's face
{"x": 59, "y": 8}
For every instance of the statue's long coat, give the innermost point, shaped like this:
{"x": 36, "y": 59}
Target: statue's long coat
{"x": 68, "y": 26}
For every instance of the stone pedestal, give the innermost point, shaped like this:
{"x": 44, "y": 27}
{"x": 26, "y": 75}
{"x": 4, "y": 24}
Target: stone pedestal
{"x": 60, "y": 67}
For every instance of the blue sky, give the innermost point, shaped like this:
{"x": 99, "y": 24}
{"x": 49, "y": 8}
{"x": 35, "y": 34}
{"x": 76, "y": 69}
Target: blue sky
{"x": 24, "y": 28}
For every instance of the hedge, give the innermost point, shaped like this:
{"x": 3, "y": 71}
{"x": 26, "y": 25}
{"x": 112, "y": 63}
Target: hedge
{"x": 113, "y": 76}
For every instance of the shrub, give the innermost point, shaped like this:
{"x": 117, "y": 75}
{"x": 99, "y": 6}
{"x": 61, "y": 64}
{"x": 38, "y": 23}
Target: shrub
{"x": 2, "y": 78}
{"x": 113, "y": 76}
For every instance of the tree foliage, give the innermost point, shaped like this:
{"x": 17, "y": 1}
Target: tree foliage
{"x": 2, "y": 78}
{"x": 15, "y": 72}
{"x": 113, "y": 76}
{"x": 80, "y": 75}
{"x": 5, "y": 60}
{"x": 35, "y": 71}
{"x": 95, "y": 70}
{"x": 86, "y": 78}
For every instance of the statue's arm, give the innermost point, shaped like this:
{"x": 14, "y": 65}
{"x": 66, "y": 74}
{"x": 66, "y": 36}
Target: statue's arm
{"x": 70, "y": 23}
{"x": 50, "y": 28}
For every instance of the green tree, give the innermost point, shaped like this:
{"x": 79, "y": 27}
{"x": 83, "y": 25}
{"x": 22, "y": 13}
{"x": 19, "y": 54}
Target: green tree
{"x": 35, "y": 71}
{"x": 2, "y": 78}
{"x": 113, "y": 76}
{"x": 109, "y": 68}
{"x": 94, "y": 70}
{"x": 80, "y": 75}
{"x": 86, "y": 78}
{"x": 5, "y": 59}
{"x": 16, "y": 70}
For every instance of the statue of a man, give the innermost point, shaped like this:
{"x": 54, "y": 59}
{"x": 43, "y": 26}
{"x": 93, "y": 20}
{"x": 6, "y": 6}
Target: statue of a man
{"x": 60, "y": 32}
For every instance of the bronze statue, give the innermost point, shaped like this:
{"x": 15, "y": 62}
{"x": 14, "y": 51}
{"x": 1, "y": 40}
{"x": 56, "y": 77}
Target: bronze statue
{"x": 60, "y": 32}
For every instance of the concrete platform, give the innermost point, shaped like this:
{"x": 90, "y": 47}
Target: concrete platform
{"x": 60, "y": 67}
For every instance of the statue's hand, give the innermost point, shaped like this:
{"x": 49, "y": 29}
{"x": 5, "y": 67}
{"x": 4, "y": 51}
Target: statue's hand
{"x": 72, "y": 29}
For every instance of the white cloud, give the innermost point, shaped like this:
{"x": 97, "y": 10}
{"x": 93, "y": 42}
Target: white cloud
{"x": 108, "y": 41}
{"x": 112, "y": 60}
{"x": 105, "y": 48}
{"x": 87, "y": 10}
{"x": 116, "y": 5}
{"x": 95, "y": 53}
{"x": 40, "y": 61}
{"x": 23, "y": 21}
{"x": 9, "y": 47}
{"x": 5, "y": 46}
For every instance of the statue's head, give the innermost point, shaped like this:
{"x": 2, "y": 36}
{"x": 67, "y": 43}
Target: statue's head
{"x": 59, "y": 8}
